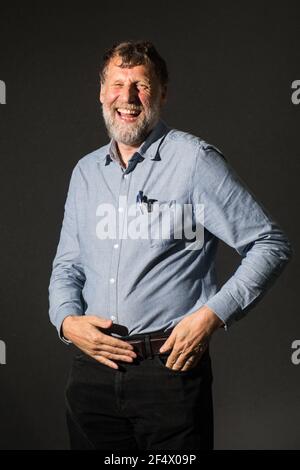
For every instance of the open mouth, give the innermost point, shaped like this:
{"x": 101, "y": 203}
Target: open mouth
{"x": 128, "y": 115}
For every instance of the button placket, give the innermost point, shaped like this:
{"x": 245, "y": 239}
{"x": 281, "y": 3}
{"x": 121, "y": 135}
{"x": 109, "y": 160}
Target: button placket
{"x": 117, "y": 245}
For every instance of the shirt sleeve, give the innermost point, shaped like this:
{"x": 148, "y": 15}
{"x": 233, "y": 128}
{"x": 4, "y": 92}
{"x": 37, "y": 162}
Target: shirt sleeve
{"x": 233, "y": 214}
{"x": 67, "y": 277}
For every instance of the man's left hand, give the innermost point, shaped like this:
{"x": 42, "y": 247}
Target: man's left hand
{"x": 190, "y": 339}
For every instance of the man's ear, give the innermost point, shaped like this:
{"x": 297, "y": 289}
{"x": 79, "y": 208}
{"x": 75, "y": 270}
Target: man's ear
{"x": 101, "y": 93}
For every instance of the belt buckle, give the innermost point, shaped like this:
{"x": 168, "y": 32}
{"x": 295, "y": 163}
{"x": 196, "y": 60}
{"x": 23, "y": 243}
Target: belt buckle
{"x": 143, "y": 347}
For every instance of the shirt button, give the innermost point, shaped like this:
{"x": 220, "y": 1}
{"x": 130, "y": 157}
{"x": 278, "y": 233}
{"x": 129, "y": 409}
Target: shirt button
{"x": 116, "y": 246}
{"x": 112, "y": 281}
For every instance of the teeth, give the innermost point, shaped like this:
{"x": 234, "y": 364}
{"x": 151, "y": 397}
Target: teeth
{"x": 127, "y": 111}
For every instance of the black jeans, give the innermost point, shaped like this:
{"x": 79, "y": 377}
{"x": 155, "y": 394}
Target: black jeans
{"x": 141, "y": 406}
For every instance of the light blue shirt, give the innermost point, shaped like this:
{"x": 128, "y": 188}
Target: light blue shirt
{"x": 150, "y": 284}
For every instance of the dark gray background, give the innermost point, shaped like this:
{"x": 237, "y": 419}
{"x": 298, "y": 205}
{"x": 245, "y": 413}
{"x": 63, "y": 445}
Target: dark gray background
{"x": 231, "y": 69}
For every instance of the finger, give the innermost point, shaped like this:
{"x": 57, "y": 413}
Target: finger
{"x": 173, "y": 357}
{"x": 199, "y": 349}
{"x": 112, "y": 350}
{"x": 180, "y": 363}
{"x": 106, "y": 362}
{"x": 182, "y": 359}
{"x": 188, "y": 360}
{"x": 98, "y": 339}
{"x": 99, "y": 358}
{"x": 114, "y": 342}
{"x": 190, "y": 363}
{"x": 117, "y": 357}
{"x": 168, "y": 344}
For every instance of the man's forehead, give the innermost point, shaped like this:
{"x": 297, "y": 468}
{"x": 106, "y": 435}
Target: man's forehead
{"x": 115, "y": 67}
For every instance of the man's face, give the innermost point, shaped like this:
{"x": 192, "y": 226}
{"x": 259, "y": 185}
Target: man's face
{"x": 131, "y": 101}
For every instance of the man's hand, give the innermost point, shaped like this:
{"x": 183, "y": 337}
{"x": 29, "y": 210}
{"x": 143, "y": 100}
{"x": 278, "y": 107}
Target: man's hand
{"x": 84, "y": 333}
{"x": 190, "y": 338}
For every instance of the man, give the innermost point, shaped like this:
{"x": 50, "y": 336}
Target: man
{"x": 141, "y": 307}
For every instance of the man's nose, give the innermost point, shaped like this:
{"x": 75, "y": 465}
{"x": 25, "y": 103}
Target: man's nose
{"x": 130, "y": 93}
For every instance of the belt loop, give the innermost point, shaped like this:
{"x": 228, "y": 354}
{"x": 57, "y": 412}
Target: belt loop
{"x": 148, "y": 349}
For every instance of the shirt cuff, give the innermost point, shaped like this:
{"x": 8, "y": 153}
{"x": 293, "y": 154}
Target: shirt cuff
{"x": 64, "y": 313}
{"x": 225, "y": 307}
{"x": 64, "y": 340}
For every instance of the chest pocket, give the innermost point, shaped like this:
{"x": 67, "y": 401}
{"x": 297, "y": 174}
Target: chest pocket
{"x": 163, "y": 226}
{"x": 164, "y": 223}
{"x": 154, "y": 225}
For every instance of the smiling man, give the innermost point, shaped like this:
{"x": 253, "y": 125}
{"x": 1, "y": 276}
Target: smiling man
{"x": 132, "y": 99}
{"x": 142, "y": 310}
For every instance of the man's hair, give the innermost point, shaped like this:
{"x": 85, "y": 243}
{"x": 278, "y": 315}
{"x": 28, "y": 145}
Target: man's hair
{"x": 135, "y": 53}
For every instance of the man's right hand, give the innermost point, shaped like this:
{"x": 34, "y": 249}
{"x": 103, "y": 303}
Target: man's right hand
{"x": 84, "y": 333}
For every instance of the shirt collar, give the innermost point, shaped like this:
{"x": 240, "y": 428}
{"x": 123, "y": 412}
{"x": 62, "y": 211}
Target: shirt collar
{"x": 148, "y": 149}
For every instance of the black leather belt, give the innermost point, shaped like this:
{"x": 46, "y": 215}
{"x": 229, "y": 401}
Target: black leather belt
{"x": 148, "y": 345}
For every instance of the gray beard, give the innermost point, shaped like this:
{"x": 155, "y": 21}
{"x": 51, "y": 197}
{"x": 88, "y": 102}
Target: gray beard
{"x": 134, "y": 134}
